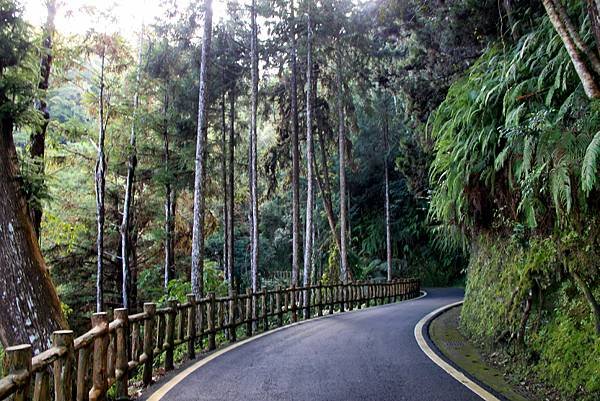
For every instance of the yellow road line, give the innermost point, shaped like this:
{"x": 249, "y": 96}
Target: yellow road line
{"x": 165, "y": 388}
{"x": 455, "y": 373}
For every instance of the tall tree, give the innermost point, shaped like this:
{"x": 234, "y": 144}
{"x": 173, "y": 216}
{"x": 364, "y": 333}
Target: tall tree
{"x": 295, "y": 153}
{"x": 386, "y": 174}
{"x": 224, "y": 179}
{"x": 199, "y": 173}
{"x": 170, "y": 198}
{"x": 342, "y": 163}
{"x": 100, "y": 183}
{"x": 253, "y": 152}
{"x": 231, "y": 189}
{"x": 308, "y": 234}
{"x": 38, "y": 138}
{"x": 30, "y": 307}
{"x": 129, "y": 185}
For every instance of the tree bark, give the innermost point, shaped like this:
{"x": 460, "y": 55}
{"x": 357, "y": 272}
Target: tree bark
{"x": 224, "y": 183}
{"x": 197, "y": 272}
{"x": 170, "y": 203}
{"x": 30, "y": 308}
{"x": 100, "y": 186}
{"x": 129, "y": 189}
{"x": 589, "y": 296}
{"x": 295, "y": 155}
{"x": 594, "y": 13}
{"x": 342, "y": 164}
{"x": 253, "y": 153}
{"x": 388, "y": 230}
{"x": 585, "y": 75}
{"x": 38, "y": 138}
{"x": 308, "y": 234}
{"x": 230, "y": 189}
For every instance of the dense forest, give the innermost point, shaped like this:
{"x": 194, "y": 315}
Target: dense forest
{"x": 289, "y": 143}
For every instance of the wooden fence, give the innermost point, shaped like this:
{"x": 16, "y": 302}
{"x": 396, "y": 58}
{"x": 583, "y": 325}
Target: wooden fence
{"x": 85, "y": 368}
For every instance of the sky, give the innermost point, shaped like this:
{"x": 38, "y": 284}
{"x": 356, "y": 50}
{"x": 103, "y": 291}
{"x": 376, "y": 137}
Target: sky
{"x": 130, "y": 14}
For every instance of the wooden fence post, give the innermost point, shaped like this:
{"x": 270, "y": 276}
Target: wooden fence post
{"x": 319, "y": 299}
{"x": 17, "y": 361}
{"x": 169, "y": 343}
{"x": 150, "y": 310}
{"x": 330, "y": 300}
{"x": 350, "y": 295}
{"x": 249, "y": 312}
{"x": 263, "y": 305}
{"x": 62, "y": 368}
{"x": 293, "y": 298}
{"x": 191, "y": 326}
{"x": 41, "y": 387}
{"x": 278, "y": 306}
{"x": 232, "y": 320}
{"x": 122, "y": 360}
{"x": 99, "y": 380}
{"x": 210, "y": 314}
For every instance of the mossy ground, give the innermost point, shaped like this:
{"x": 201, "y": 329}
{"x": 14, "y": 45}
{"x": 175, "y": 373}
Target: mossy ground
{"x": 445, "y": 334}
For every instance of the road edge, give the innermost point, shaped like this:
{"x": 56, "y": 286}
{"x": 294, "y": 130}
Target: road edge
{"x": 455, "y": 373}
{"x": 161, "y": 391}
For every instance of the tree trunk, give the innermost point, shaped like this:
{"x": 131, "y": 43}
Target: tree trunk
{"x": 197, "y": 272}
{"x": 38, "y": 138}
{"x": 589, "y": 296}
{"x": 224, "y": 183}
{"x": 388, "y": 230}
{"x": 342, "y": 164}
{"x": 230, "y": 189}
{"x": 594, "y": 13}
{"x": 100, "y": 186}
{"x": 129, "y": 190}
{"x": 253, "y": 152}
{"x": 170, "y": 202}
{"x": 585, "y": 75}
{"x": 295, "y": 156}
{"x": 29, "y": 305}
{"x": 308, "y": 234}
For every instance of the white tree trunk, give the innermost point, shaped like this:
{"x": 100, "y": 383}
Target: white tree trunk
{"x": 100, "y": 185}
{"x": 253, "y": 154}
{"x": 295, "y": 156}
{"x": 198, "y": 225}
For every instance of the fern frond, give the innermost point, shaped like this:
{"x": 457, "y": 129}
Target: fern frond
{"x": 589, "y": 169}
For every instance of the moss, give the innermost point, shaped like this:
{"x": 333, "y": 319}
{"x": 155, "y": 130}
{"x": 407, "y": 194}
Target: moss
{"x": 560, "y": 347}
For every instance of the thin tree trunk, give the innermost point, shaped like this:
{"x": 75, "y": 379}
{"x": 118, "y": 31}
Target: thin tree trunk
{"x": 37, "y": 149}
{"x": 169, "y": 267}
{"x": 100, "y": 186}
{"x": 197, "y": 272}
{"x": 30, "y": 308}
{"x": 585, "y": 75}
{"x": 225, "y": 186}
{"x": 230, "y": 189}
{"x": 589, "y": 296}
{"x": 594, "y": 13}
{"x": 388, "y": 231}
{"x": 129, "y": 189}
{"x": 308, "y": 234}
{"x": 295, "y": 156}
{"x": 342, "y": 165}
{"x": 253, "y": 153}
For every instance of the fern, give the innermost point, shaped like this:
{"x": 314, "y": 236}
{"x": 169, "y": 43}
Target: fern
{"x": 589, "y": 168}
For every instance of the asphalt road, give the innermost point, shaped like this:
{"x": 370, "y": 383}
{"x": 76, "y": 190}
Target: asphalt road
{"x": 366, "y": 355}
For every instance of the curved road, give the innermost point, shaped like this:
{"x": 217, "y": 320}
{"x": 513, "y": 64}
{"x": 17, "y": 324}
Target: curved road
{"x": 366, "y": 355}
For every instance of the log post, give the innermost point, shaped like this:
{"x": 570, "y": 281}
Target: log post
{"x": 122, "y": 362}
{"x": 169, "y": 344}
{"x": 249, "y": 312}
{"x": 83, "y": 368}
{"x": 159, "y": 342}
{"x": 210, "y": 315}
{"x": 191, "y": 326}
{"x": 350, "y": 295}
{"x": 62, "y": 368}
{"x": 319, "y": 299}
{"x": 294, "y": 305}
{"x": 263, "y": 306}
{"x": 278, "y": 307}
{"x": 99, "y": 380}
{"x": 17, "y": 361}
{"x": 201, "y": 320}
{"x": 41, "y": 388}
{"x": 232, "y": 320}
{"x": 341, "y": 288}
{"x": 330, "y": 298}
{"x": 150, "y": 310}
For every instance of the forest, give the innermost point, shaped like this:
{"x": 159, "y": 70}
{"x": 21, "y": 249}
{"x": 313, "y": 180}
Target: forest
{"x": 287, "y": 142}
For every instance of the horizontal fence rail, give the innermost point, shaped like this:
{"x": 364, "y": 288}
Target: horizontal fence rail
{"x": 120, "y": 345}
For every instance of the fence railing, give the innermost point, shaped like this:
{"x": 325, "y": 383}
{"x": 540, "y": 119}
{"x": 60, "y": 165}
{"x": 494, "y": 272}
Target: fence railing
{"x": 118, "y": 344}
